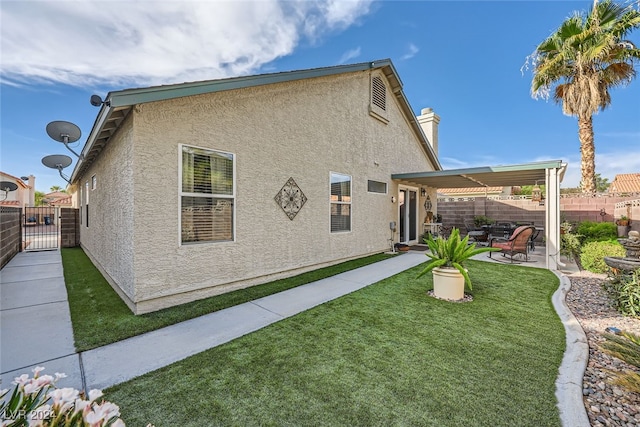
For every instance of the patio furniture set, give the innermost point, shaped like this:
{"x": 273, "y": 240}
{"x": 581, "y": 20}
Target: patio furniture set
{"x": 513, "y": 238}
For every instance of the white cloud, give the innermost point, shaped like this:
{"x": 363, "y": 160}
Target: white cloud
{"x": 608, "y": 165}
{"x": 413, "y": 50}
{"x": 90, "y": 42}
{"x": 349, "y": 55}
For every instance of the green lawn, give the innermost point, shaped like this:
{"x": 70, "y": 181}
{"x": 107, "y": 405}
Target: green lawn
{"x": 387, "y": 355}
{"x": 100, "y": 317}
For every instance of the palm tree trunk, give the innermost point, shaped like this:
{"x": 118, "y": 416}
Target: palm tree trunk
{"x": 588, "y": 154}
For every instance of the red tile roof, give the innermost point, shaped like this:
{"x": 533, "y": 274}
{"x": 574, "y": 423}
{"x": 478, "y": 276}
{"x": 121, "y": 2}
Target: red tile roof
{"x": 15, "y": 203}
{"x": 61, "y": 201}
{"x": 625, "y": 183}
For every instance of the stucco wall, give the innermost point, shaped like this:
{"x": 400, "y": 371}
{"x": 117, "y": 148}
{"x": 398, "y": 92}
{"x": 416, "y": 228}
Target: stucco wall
{"x": 305, "y": 130}
{"x": 108, "y": 238}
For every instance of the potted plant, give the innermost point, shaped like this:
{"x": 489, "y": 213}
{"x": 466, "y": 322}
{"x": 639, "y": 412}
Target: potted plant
{"x": 623, "y": 225}
{"x": 447, "y": 263}
{"x": 623, "y": 220}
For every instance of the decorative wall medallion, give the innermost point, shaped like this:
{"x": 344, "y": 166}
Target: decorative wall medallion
{"x": 290, "y": 198}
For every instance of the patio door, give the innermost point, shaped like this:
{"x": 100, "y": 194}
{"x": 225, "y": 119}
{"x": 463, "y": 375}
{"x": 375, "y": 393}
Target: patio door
{"x": 408, "y": 214}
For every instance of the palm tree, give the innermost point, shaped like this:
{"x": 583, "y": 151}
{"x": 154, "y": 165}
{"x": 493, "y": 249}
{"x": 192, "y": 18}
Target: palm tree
{"x": 55, "y": 188}
{"x": 581, "y": 61}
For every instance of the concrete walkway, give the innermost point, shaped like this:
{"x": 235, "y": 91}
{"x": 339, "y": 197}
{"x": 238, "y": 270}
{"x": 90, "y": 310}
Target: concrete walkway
{"x": 36, "y": 327}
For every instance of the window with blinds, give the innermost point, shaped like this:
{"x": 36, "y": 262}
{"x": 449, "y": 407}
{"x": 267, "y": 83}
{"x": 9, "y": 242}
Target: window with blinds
{"x": 340, "y": 202}
{"x": 207, "y": 195}
{"x": 376, "y": 187}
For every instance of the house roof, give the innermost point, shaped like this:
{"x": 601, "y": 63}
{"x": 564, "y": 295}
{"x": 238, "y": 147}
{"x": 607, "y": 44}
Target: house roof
{"x": 118, "y": 104}
{"x": 625, "y": 183}
{"x": 61, "y": 201}
{"x": 18, "y": 181}
{"x": 486, "y": 176}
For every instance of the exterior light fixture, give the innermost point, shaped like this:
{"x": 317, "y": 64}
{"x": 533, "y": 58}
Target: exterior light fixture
{"x": 427, "y": 204}
{"x": 536, "y": 193}
{"x": 393, "y": 199}
{"x": 423, "y": 192}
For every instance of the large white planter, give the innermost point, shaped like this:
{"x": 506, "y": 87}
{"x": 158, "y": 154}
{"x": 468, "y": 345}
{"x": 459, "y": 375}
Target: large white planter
{"x": 448, "y": 283}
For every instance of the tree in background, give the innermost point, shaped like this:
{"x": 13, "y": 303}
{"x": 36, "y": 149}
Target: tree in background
{"x": 581, "y": 61}
{"x": 602, "y": 185}
{"x": 57, "y": 188}
{"x": 39, "y": 198}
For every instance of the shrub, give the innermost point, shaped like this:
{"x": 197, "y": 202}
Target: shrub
{"x": 592, "y": 255}
{"x": 624, "y": 289}
{"x": 569, "y": 242}
{"x": 38, "y": 401}
{"x": 625, "y": 347}
{"x": 480, "y": 220}
{"x": 597, "y": 231}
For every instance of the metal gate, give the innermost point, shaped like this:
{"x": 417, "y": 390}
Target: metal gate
{"x": 41, "y": 228}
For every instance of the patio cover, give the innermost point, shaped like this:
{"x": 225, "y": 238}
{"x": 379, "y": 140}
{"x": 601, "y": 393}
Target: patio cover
{"x": 549, "y": 172}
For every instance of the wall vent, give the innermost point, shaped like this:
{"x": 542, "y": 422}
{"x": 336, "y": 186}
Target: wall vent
{"x": 378, "y": 103}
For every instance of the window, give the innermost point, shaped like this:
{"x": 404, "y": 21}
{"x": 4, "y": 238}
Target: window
{"x": 86, "y": 203}
{"x": 94, "y": 182}
{"x": 207, "y": 195}
{"x": 340, "y": 202}
{"x": 376, "y": 187}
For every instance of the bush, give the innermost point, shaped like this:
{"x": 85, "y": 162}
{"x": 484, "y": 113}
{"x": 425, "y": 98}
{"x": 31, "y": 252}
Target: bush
{"x": 592, "y": 255}
{"x": 597, "y": 231}
{"x": 480, "y": 220}
{"x": 624, "y": 289}
{"x": 625, "y": 347}
{"x": 569, "y": 242}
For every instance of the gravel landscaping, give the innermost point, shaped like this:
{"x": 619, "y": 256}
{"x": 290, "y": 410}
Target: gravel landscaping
{"x": 606, "y": 404}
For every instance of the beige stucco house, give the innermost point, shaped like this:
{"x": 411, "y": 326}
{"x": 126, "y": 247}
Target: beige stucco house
{"x": 196, "y": 189}
{"x": 24, "y": 194}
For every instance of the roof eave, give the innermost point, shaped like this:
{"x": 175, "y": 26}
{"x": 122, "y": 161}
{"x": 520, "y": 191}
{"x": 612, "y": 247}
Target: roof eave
{"x": 121, "y": 102}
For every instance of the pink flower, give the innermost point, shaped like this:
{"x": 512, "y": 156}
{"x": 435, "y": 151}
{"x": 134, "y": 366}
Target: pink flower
{"x": 36, "y": 371}
{"x": 21, "y": 380}
{"x": 64, "y": 398}
{"x": 94, "y": 394}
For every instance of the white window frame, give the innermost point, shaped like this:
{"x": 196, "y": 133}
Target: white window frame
{"x": 86, "y": 203}
{"x": 212, "y": 196}
{"x": 94, "y": 182}
{"x": 386, "y": 187}
{"x": 350, "y": 202}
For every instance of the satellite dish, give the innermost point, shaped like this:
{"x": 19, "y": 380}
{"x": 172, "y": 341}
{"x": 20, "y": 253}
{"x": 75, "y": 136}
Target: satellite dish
{"x": 96, "y": 101}
{"x": 64, "y": 132}
{"x": 7, "y": 186}
{"x": 57, "y": 161}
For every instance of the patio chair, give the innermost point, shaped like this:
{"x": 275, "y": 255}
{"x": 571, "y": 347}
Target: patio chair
{"x": 517, "y": 243}
{"x": 476, "y": 234}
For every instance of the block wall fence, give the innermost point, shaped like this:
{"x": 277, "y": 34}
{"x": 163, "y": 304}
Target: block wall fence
{"x": 11, "y": 233}
{"x": 456, "y": 212}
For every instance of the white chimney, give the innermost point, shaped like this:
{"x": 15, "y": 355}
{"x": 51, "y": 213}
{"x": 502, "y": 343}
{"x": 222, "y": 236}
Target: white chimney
{"x": 428, "y": 121}
{"x": 32, "y": 190}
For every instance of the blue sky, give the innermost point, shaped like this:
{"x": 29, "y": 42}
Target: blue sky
{"x": 461, "y": 58}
